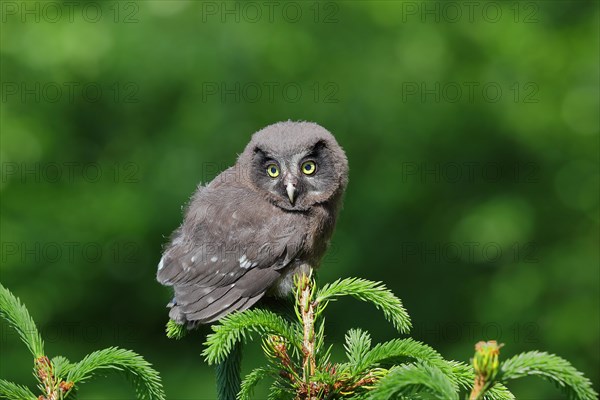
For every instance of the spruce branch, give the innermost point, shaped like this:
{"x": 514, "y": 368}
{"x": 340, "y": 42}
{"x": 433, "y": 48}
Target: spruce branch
{"x": 175, "y": 331}
{"x": 276, "y": 350}
{"x": 464, "y": 375}
{"x": 146, "y": 380}
{"x": 300, "y": 366}
{"x": 407, "y": 379}
{"x": 369, "y": 291}
{"x": 306, "y": 311}
{"x": 57, "y": 376}
{"x": 357, "y": 346}
{"x": 59, "y": 364}
{"x": 12, "y": 391}
{"x": 279, "y": 391}
{"x": 498, "y": 392}
{"x": 12, "y": 310}
{"x": 322, "y": 352}
{"x": 393, "y": 351}
{"x": 552, "y": 368}
{"x": 485, "y": 364}
{"x": 250, "y": 382}
{"x": 51, "y": 385}
{"x": 240, "y": 326}
{"x": 228, "y": 373}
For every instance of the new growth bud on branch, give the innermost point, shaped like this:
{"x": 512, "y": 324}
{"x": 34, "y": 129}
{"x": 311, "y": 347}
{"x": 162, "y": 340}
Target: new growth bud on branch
{"x": 486, "y": 366}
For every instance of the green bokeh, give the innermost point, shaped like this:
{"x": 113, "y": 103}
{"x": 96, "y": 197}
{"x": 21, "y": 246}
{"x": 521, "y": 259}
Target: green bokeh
{"x": 471, "y": 132}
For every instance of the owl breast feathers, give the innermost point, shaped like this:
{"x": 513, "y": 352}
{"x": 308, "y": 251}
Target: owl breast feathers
{"x": 256, "y": 224}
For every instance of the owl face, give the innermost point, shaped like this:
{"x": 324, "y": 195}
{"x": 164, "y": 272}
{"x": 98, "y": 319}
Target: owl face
{"x": 297, "y": 166}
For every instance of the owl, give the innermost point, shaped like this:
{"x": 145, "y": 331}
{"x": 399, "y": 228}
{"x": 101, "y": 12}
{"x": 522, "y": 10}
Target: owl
{"x": 247, "y": 233}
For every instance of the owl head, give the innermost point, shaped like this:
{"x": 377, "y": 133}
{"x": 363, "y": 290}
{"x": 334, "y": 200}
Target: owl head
{"x": 296, "y": 165}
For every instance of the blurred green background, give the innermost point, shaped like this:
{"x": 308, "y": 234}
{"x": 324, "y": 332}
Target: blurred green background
{"x": 471, "y": 131}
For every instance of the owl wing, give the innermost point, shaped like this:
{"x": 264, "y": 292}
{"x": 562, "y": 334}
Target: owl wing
{"x": 229, "y": 251}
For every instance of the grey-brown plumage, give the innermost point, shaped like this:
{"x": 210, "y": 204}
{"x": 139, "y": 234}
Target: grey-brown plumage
{"x": 256, "y": 224}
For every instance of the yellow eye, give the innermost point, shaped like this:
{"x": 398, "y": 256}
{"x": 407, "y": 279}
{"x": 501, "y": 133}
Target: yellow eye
{"x": 309, "y": 167}
{"x": 273, "y": 170}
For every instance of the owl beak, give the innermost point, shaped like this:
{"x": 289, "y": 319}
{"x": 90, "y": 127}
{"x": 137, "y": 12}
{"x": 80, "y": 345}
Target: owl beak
{"x": 291, "y": 192}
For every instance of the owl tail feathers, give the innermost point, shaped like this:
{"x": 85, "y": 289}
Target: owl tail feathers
{"x": 176, "y": 315}
{"x": 210, "y": 312}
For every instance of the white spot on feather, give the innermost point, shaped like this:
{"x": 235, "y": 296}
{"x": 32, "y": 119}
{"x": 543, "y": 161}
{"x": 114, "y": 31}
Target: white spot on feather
{"x": 245, "y": 263}
{"x": 161, "y": 264}
{"x": 214, "y": 259}
{"x": 193, "y": 258}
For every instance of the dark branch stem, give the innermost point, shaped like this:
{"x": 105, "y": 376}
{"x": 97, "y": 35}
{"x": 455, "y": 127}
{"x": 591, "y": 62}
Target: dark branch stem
{"x": 479, "y": 388}
{"x": 229, "y": 374}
